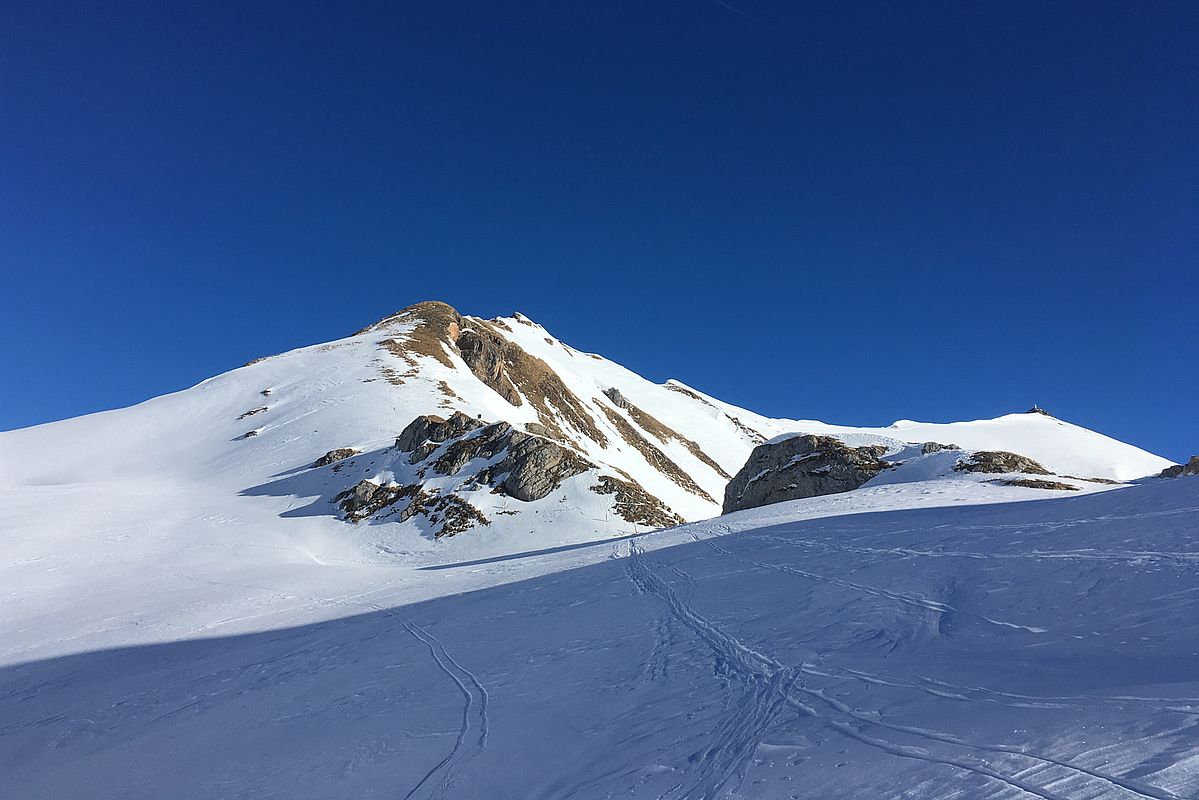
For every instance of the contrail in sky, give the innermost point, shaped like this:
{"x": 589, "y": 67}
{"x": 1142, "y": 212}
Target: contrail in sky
{"x": 739, "y": 12}
{"x": 752, "y": 18}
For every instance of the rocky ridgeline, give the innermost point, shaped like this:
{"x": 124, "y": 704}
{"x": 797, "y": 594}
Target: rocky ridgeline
{"x": 1178, "y": 470}
{"x": 512, "y": 462}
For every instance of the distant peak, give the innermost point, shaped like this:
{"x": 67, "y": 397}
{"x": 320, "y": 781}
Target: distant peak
{"x": 1036, "y": 409}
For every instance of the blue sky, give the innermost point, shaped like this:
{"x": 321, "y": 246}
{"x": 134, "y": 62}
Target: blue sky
{"x": 855, "y": 212}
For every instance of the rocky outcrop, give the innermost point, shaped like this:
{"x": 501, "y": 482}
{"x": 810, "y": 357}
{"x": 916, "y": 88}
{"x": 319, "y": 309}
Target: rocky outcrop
{"x": 1036, "y": 409}
{"x": 1000, "y": 461}
{"x": 936, "y": 447}
{"x": 333, "y": 456}
{"x": 634, "y": 504}
{"x": 452, "y": 513}
{"x": 799, "y": 467}
{"x": 1189, "y": 468}
{"x": 426, "y": 433}
{"x": 1038, "y": 483}
{"x": 365, "y": 498}
{"x": 528, "y": 468}
{"x": 617, "y": 398}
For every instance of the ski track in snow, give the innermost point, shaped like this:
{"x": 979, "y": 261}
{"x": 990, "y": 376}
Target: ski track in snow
{"x": 913, "y": 601}
{"x": 474, "y": 707}
{"x": 771, "y": 684}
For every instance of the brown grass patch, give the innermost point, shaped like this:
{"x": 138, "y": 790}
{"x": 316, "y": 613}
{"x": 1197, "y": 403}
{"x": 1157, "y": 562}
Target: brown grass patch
{"x": 659, "y": 460}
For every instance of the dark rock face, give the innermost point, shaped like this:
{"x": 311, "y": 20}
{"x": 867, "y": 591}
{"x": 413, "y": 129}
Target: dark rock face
{"x": 516, "y": 463}
{"x": 486, "y": 356}
{"x": 937, "y": 447}
{"x": 333, "y": 456}
{"x": 617, "y": 398}
{"x": 367, "y": 497}
{"x": 1038, "y": 483}
{"x": 454, "y": 514}
{"x": 1038, "y": 410}
{"x": 1000, "y": 461}
{"x": 1178, "y": 470}
{"x": 530, "y": 467}
{"x": 799, "y": 467}
{"x": 424, "y": 434}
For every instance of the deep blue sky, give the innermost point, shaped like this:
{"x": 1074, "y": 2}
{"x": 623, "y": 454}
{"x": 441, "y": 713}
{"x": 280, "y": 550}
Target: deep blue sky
{"x": 848, "y": 211}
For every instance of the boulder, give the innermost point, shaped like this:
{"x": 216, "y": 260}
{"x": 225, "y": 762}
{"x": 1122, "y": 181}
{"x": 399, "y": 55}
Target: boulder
{"x": 1178, "y": 470}
{"x": 799, "y": 467}
{"x": 936, "y": 447}
{"x": 338, "y": 454}
{"x": 1000, "y": 461}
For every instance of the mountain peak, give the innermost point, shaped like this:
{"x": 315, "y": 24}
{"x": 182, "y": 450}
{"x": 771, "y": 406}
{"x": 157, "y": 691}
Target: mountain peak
{"x": 428, "y": 311}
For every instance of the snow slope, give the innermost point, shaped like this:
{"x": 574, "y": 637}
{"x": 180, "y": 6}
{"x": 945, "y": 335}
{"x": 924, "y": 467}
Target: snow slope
{"x": 183, "y": 613}
{"x": 875, "y": 644}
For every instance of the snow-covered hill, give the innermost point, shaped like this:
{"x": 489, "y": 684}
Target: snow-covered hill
{"x": 191, "y": 611}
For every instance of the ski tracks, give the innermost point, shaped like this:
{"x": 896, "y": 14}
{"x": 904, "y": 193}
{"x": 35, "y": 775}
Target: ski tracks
{"x": 439, "y": 781}
{"x": 771, "y": 685}
{"x": 765, "y": 682}
{"x": 909, "y": 600}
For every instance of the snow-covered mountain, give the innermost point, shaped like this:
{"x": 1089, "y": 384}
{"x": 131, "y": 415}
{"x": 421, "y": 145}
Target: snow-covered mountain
{"x": 240, "y": 590}
{"x": 430, "y": 423}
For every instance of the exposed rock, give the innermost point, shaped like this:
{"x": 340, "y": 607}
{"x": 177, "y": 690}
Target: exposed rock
{"x": 537, "y": 429}
{"x": 433, "y": 328}
{"x": 748, "y": 432}
{"x": 653, "y": 455}
{"x": 676, "y": 387}
{"x": 424, "y": 434}
{"x": 799, "y": 467}
{"x": 1036, "y": 409}
{"x": 1108, "y": 481}
{"x": 937, "y": 447}
{"x": 332, "y": 456}
{"x": 367, "y": 497}
{"x": 266, "y": 392}
{"x": 520, "y": 377}
{"x": 1038, "y": 483}
{"x": 1189, "y": 468}
{"x": 252, "y": 412}
{"x": 660, "y": 431}
{"x": 617, "y": 398}
{"x": 1000, "y": 461}
{"x": 634, "y": 504}
{"x": 530, "y": 468}
{"x": 486, "y": 357}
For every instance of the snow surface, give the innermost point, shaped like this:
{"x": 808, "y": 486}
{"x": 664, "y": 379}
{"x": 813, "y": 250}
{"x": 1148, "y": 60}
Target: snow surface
{"x": 182, "y": 616}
